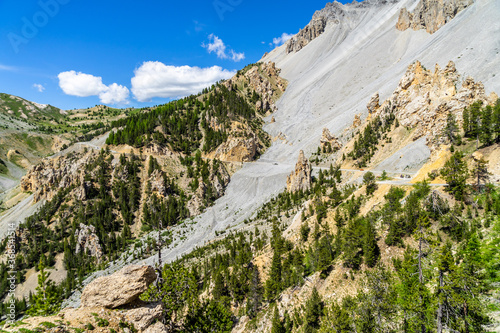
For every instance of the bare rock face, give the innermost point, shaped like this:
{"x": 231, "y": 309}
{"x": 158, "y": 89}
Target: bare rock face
{"x": 431, "y": 14}
{"x": 158, "y": 183}
{"x": 118, "y": 289}
{"x": 155, "y": 149}
{"x": 260, "y": 79}
{"x": 237, "y": 150}
{"x": 88, "y": 242}
{"x": 315, "y": 28}
{"x": 300, "y": 179}
{"x": 404, "y": 20}
{"x": 46, "y": 178}
{"x": 357, "y": 121}
{"x": 373, "y": 105}
{"x": 424, "y": 98}
{"x": 328, "y": 141}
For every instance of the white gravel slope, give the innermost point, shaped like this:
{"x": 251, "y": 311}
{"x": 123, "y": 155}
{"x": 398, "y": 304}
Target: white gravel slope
{"x": 330, "y": 81}
{"x": 333, "y": 78}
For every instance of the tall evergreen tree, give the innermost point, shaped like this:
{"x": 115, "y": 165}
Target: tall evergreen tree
{"x": 371, "y": 250}
{"x": 277, "y": 324}
{"x": 486, "y": 130}
{"x": 455, "y": 173}
{"x": 313, "y": 312}
{"x": 451, "y": 129}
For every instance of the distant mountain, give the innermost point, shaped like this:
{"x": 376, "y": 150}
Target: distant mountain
{"x": 16, "y": 112}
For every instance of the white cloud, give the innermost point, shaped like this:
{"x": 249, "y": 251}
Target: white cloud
{"x": 217, "y": 46}
{"x": 155, "y": 79}
{"x": 7, "y": 68}
{"x": 85, "y": 85}
{"x": 282, "y": 39}
{"x": 237, "y": 56}
{"x": 115, "y": 94}
{"x": 39, "y": 87}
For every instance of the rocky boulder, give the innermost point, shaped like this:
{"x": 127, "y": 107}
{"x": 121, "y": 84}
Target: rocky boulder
{"x": 300, "y": 179}
{"x": 120, "y": 288}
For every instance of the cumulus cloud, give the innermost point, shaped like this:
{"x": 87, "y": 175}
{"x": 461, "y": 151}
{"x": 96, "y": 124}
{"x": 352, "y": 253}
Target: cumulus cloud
{"x": 217, "y": 46}
{"x": 114, "y": 94}
{"x": 282, "y": 39}
{"x": 39, "y": 87}
{"x": 155, "y": 79}
{"x": 85, "y": 85}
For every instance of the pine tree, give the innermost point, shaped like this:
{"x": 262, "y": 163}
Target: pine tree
{"x": 313, "y": 312}
{"x": 371, "y": 250}
{"x": 451, "y": 129}
{"x": 496, "y": 121}
{"x": 369, "y": 180}
{"x": 486, "y": 130}
{"x": 466, "y": 122}
{"x": 481, "y": 172}
{"x": 273, "y": 283}
{"x": 455, "y": 173}
{"x": 445, "y": 265}
{"x": 277, "y": 324}
{"x": 46, "y": 299}
{"x": 255, "y": 297}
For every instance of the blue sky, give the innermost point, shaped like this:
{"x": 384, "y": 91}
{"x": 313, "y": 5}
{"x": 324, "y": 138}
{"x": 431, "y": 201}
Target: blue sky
{"x": 76, "y": 53}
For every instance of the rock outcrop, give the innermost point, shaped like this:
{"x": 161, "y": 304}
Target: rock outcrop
{"x": 260, "y": 78}
{"x": 373, "y": 104}
{"x": 218, "y": 180}
{"x": 300, "y": 179}
{"x": 88, "y": 242}
{"x": 329, "y": 142}
{"x": 315, "y": 28}
{"x": 118, "y": 289}
{"x": 431, "y": 14}
{"x": 45, "y": 179}
{"x": 237, "y": 150}
{"x": 423, "y": 100}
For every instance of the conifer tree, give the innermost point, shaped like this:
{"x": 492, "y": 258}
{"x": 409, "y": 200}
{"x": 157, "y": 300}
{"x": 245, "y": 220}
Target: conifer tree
{"x": 451, "y": 129}
{"x": 255, "y": 297}
{"x": 486, "y": 130}
{"x": 313, "y": 312}
{"x": 455, "y": 173}
{"x": 273, "y": 283}
{"x": 371, "y": 250}
{"x": 46, "y": 299}
{"x": 277, "y": 324}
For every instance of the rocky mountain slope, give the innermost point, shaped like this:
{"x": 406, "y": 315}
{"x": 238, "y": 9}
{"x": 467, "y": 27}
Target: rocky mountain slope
{"x": 358, "y": 96}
